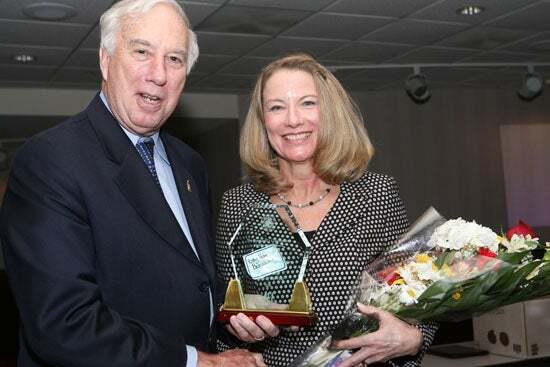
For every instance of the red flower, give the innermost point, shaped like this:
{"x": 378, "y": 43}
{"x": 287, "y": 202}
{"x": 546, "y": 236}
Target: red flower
{"x": 392, "y": 278}
{"x": 521, "y": 229}
{"x": 484, "y": 251}
{"x": 485, "y": 256}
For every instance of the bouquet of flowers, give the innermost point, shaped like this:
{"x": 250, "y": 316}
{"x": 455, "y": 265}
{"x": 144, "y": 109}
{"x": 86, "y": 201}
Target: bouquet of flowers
{"x": 442, "y": 271}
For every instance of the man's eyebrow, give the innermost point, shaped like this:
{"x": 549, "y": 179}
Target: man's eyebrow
{"x": 139, "y": 41}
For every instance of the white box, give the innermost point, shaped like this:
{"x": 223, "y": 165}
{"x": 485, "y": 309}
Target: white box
{"x": 519, "y": 330}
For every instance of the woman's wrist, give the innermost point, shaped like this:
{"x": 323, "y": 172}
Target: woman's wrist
{"x": 416, "y": 338}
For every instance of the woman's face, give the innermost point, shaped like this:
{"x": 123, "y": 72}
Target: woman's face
{"x": 291, "y": 115}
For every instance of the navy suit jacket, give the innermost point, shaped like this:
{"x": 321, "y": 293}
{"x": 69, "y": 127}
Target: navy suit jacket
{"x": 101, "y": 271}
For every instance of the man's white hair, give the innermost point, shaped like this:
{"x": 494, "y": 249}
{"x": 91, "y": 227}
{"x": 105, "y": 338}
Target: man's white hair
{"x": 111, "y": 20}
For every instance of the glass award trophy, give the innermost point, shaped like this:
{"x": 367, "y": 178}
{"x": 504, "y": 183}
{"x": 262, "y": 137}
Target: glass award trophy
{"x": 269, "y": 254}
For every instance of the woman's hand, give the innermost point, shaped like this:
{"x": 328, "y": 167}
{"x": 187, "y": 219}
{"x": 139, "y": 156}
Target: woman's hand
{"x": 394, "y": 338}
{"x": 249, "y": 331}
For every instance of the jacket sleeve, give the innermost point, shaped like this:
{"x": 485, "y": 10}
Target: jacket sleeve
{"x": 51, "y": 263}
{"x": 396, "y": 226}
{"x": 228, "y": 221}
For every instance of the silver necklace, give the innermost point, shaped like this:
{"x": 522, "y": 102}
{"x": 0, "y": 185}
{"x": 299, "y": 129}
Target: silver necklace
{"x": 309, "y": 203}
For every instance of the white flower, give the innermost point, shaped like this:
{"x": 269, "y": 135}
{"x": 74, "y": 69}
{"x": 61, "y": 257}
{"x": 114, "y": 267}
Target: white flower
{"x": 520, "y": 243}
{"x": 409, "y": 294}
{"x": 456, "y": 234}
{"x": 427, "y": 271}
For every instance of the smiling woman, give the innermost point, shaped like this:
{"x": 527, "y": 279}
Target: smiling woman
{"x": 304, "y": 144}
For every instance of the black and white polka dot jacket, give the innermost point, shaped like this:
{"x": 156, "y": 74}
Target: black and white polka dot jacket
{"x": 367, "y": 216}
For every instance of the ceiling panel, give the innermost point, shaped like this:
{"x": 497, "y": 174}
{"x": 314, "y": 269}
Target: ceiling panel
{"x": 204, "y": 1}
{"x": 414, "y": 32}
{"x": 343, "y": 73}
{"x": 82, "y": 11}
{"x": 238, "y": 37}
{"x": 336, "y": 26}
{"x": 485, "y": 38}
{"x": 367, "y": 52}
{"x": 92, "y": 38}
{"x": 228, "y": 44}
{"x": 435, "y": 55}
{"x": 41, "y": 33}
{"x": 239, "y": 19}
{"x": 193, "y": 79}
{"x": 84, "y": 58}
{"x": 230, "y": 82}
{"x": 447, "y": 10}
{"x": 285, "y": 4}
{"x": 211, "y": 63}
{"x": 197, "y": 12}
{"x": 539, "y": 43}
{"x": 282, "y": 45}
{"x": 532, "y": 17}
{"x": 373, "y": 79}
{"x": 388, "y": 8}
{"x": 246, "y": 66}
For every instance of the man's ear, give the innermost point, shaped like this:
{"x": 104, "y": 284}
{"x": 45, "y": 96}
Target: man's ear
{"x": 104, "y": 59}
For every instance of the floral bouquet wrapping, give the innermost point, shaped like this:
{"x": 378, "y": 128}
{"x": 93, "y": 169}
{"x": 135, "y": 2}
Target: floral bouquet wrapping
{"x": 442, "y": 271}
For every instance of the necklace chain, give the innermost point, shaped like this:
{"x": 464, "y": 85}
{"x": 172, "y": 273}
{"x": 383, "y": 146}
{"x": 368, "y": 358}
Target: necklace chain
{"x": 309, "y": 203}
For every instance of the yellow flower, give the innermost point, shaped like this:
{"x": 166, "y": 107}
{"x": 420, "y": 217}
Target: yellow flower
{"x": 457, "y": 296}
{"x": 422, "y": 258}
{"x": 447, "y": 270}
{"x": 399, "y": 281}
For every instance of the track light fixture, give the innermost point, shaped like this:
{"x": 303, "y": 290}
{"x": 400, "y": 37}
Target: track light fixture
{"x": 532, "y": 85}
{"x": 417, "y": 88}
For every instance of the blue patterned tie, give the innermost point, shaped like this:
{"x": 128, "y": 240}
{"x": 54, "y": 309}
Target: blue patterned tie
{"x": 145, "y": 148}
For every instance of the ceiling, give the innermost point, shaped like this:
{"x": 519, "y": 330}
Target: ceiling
{"x": 238, "y": 37}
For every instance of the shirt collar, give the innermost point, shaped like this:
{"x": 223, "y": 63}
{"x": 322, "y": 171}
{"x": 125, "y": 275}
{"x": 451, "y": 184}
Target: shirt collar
{"x": 134, "y": 138}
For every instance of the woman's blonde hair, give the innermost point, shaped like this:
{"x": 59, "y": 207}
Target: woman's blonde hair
{"x": 343, "y": 146}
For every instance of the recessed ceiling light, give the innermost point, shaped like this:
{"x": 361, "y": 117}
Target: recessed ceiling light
{"x": 24, "y": 58}
{"x": 470, "y": 10}
{"x": 49, "y": 11}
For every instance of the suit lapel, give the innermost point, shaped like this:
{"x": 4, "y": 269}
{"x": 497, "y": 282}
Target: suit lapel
{"x": 135, "y": 181}
{"x": 142, "y": 192}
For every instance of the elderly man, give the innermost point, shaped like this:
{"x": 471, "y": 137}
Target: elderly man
{"x": 105, "y": 224}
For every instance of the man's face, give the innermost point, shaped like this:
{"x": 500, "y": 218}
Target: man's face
{"x": 144, "y": 76}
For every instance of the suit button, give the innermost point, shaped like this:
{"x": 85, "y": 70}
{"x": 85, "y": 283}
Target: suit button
{"x": 204, "y": 286}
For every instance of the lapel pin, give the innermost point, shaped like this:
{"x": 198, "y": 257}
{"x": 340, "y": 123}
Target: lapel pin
{"x": 189, "y": 186}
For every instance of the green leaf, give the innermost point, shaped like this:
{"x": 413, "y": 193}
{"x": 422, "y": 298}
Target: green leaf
{"x": 446, "y": 258}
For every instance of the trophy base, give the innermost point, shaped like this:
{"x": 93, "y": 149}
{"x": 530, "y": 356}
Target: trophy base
{"x": 278, "y": 317}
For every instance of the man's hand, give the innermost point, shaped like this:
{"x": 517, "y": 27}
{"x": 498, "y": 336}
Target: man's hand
{"x": 231, "y": 358}
{"x": 393, "y": 338}
{"x": 249, "y": 331}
